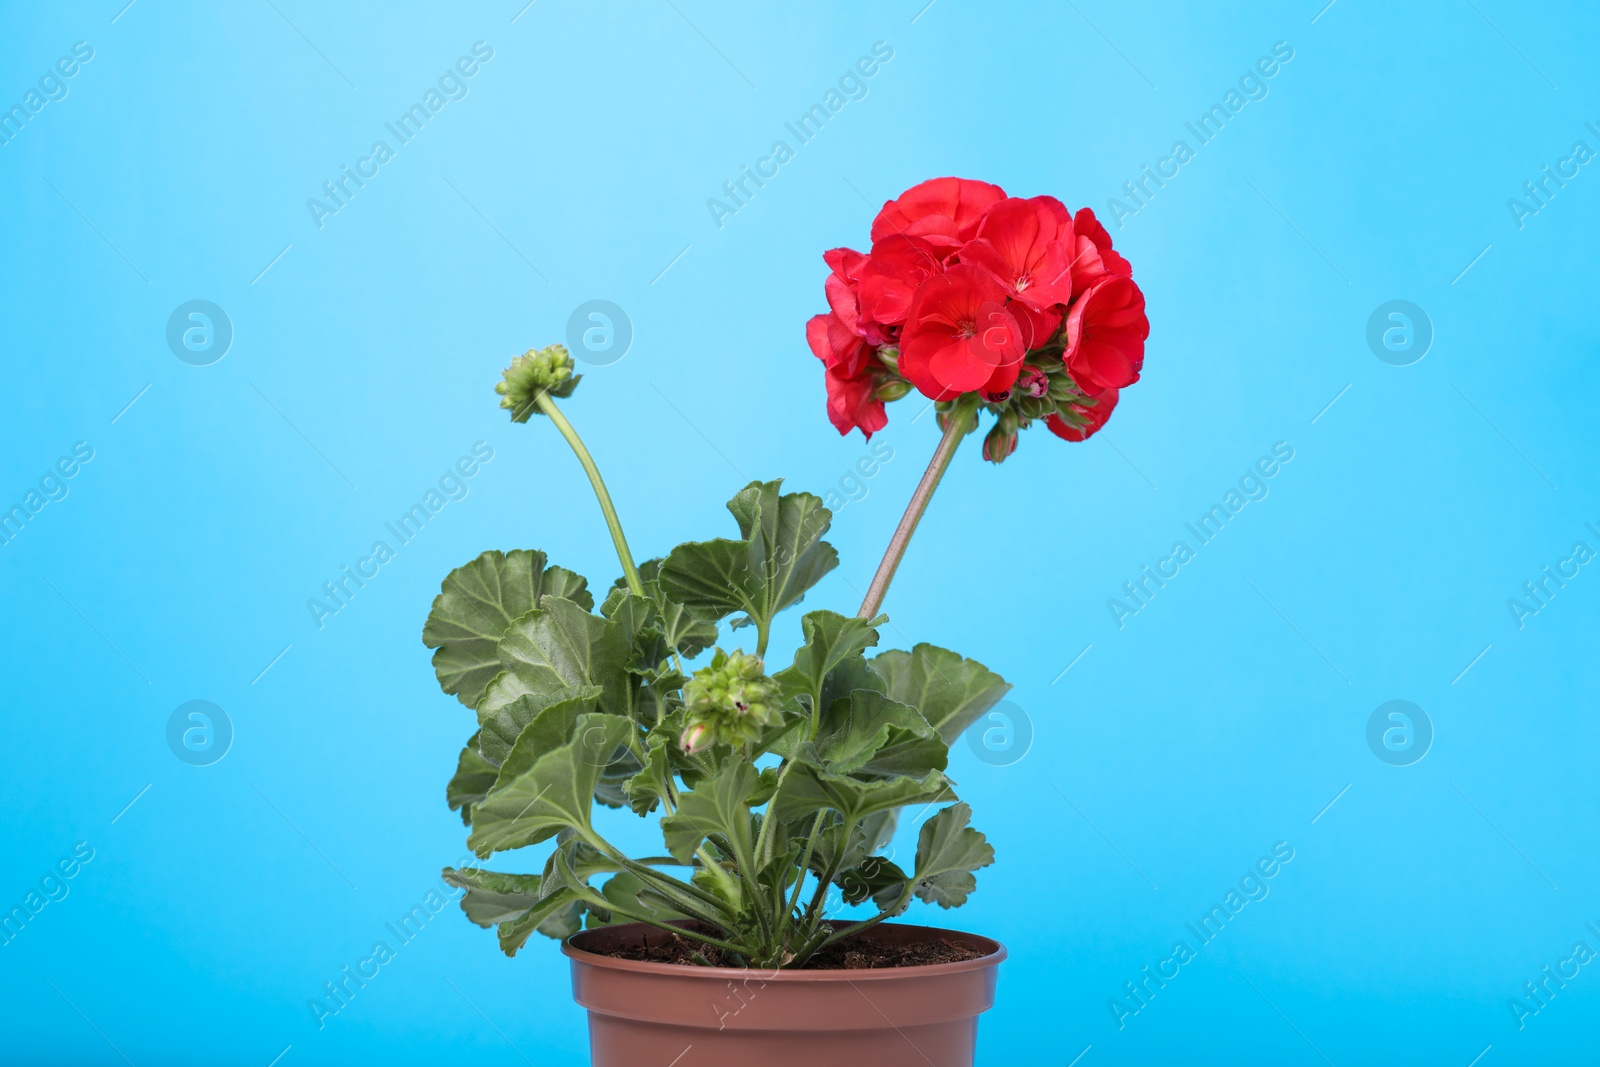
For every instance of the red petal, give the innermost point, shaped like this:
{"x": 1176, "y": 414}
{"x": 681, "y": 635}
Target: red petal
{"x": 944, "y": 208}
{"x": 958, "y": 333}
{"x": 836, "y": 344}
{"x": 1084, "y": 224}
{"x": 847, "y": 263}
{"x": 1003, "y": 378}
{"x": 842, "y": 299}
{"x": 853, "y": 406}
{"x": 1105, "y": 334}
{"x": 1097, "y": 416}
{"x": 817, "y": 337}
{"x": 957, "y": 364}
{"x": 890, "y": 279}
{"x": 1038, "y": 326}
{"x": 1028, "y": 247}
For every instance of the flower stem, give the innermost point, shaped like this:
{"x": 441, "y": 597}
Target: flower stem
{"x": 855, "y": 928}
{"x": 820, "y": 897}
{"x": 605, "y": 847}
{"x": 805, "y": 865}
{"x": 960, "y": 420}
{"x": 591, "y": 896}
{"x": 766, "y": 823}
{"x": 629, "y": 571}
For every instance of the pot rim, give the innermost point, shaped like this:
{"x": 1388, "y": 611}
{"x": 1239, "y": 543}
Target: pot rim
{"x": 594, "y": 959}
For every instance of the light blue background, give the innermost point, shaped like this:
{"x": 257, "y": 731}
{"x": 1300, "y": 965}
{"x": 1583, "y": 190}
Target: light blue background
{"x": 1222, "y": 718}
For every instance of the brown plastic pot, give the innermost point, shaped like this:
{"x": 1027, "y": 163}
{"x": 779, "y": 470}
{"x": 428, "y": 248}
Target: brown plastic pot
{"x": 670, "y": 1015}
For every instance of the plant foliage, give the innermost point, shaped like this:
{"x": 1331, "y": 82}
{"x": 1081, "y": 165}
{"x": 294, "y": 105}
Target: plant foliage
{"x": 772, "y": 789}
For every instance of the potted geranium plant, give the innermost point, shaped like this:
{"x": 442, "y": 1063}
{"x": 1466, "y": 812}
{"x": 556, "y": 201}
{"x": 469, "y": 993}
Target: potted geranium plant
{"x": 776, "y": 780}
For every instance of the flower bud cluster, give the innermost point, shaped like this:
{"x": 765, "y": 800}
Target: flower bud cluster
{"x": 534, "y": 373}
{"x": 1043, "y": 390}
{"x": 731, "y": 701}
{"x": 967, "y": 290}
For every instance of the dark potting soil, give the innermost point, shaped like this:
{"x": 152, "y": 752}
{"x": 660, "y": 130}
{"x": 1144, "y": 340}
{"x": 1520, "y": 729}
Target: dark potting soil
{"x": 851, "y": 954}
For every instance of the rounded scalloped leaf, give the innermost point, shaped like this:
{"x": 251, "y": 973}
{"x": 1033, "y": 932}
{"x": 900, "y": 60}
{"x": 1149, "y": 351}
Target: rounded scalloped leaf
{"x": 476, "y": 605}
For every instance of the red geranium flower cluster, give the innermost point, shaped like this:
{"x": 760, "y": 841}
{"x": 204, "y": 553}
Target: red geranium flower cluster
{"x": 969, "y": 290}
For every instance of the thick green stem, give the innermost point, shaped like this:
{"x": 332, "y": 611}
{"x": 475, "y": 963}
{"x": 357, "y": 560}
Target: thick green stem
{"x": 956, "y": 427}
{"x": 629, "y": 571}
{"x": 809, "y": 947}
{"x": 816, "y": 711}
{"x": 855, "y": 928}
{"x": 805, "y": 864}
{"x": 591, "y": 896}
{"x": 821, "y": 895}
{"x": 662, "y": 882}
{"x": 746, "y": 865}
{"x": 766, "y": 823}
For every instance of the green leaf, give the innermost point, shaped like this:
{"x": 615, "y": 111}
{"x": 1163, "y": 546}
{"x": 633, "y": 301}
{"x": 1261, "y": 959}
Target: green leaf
{"x": 476, "y": 605}
{"x": 949, "y": 690}
{"x": 721, "y": 883}
{"x": 514, "y": 902}
{"x": 561, "y": 646}
{"x": 550, "y": 729}
{"x": 878, "y": 830}
{"x": 948, "y": 851}
{"x": 766, "y": 785}
{"x": 559, "y": 918}
{"x": 493, "y": 897}
{"x": 574, "y": 862}
{"x": 718, "y": 808}
{"x": 830, "y": 640}
{"x": 709, "y": 578}
{"x": 680, "y": 630}
{"x": 579, "y": 859}
{"x": 619, "y": 771}
{"x": 649, "y": 658}
{"x": 628, "y": 610}
{"x": 658, "y": 696}
{"x": 644, "y": 789}
{"x": 875, "y": 877}
{"x": 782, "y": 555}
{"x": 633, "y": 894}
{"x": 858, "y": 871}
{"x": 866, "y": 733}
{"x": 556, "y": 790}
{"x": 473, "y": 778}
{"x": 848, "y": 677}
{"x": 830, "y": 847}
{"x": 641, "y": 625}
{"x": 785, "y": 537}
{"x": 505, "y": 689}
{"x": 808, "y": 789}
{"x": 502, "y": 729}
{"x": 559, "y": 871}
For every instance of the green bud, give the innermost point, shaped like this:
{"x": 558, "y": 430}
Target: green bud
{"x": 1035, "y": 407}
{"x": 889, "y": 356}
{"x": 1064, "y": 389}
{"x": 531, "y": 375}
{"x": 696, "y": 738}
{"x": 1001, "y": 441}
{"x": 1072, "y": 415}
{"x": 941, "y": 415}
{"x": 893, "y": 389}
{"x": 730, "y": 701}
